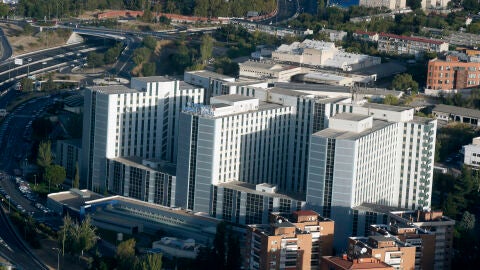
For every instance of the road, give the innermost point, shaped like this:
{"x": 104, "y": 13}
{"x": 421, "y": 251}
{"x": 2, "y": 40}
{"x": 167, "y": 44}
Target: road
{"x": 47, "y": 60}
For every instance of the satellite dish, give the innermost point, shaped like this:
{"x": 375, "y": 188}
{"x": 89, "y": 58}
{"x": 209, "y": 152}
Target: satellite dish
{"x": 279, "y": 221}
{"x": 363, "y": 251}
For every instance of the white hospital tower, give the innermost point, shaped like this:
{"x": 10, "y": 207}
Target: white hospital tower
{"x": 239, "y": 149}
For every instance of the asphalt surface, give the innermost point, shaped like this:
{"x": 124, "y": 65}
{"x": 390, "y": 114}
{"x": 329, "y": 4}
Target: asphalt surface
{"x": 49, "y": 59}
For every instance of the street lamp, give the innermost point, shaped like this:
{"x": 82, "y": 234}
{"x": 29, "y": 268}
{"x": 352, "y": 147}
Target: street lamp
{"x": 28, "y": 67}
{"x": 58, "y": 257}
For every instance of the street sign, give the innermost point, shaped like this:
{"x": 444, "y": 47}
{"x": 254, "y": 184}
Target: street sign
{"x": 18, "y": 61}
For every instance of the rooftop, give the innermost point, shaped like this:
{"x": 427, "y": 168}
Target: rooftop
{"x": 211, "y": 74}
{"x": 386, "y": 107}
{"x": 417, "y": 39}
{"x": 280, "y": 90}
{"x": 346, "y": 135}
{"x": 267, "y": 65}
{"x": 351, "y": 116}
{"x": 154, "y": 79}
{"x": 361, "y": 263}
{"x": 233, "y": 98}
{"x": 457, "y": 110}
{"x": 162, "y": 166}
{"x": 377, "y": 208}
{"x": 422, "y": 216}
{"x": 113, "y": 89}
{"x": 251, "y": 188}
{"x": 74, "y": 198}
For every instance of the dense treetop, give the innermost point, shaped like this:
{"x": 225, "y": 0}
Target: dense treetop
{"x": 207, "y": 8}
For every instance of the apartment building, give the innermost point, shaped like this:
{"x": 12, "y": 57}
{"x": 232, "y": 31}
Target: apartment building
{"x": 472, "y": 154}
{"x": 296, "y": 241}
{"x": 268, "y": 70}
{"x": 453, "y": 71}
{"x": 342, "y": 174}
{"x": 387, "y": 249}
{"x": 141, "y": 121}
{"x": 244, "y": 203}
{"x": 435, "y": 222}
{"x": 67, "y": 155}
{"x": 148, "y": 180}
{"x": 405, "y": 45}
{"x": 422, "y": 240}
{"x": 236, "y": 138}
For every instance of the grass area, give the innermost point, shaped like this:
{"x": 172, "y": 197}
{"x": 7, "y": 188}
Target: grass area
{"x": 23, "y": 42}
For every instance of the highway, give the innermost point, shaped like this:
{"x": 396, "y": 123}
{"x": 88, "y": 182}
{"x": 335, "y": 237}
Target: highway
{"x": 46, "y": 60}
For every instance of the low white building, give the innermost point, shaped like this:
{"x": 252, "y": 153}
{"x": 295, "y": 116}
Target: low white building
{"x": 472, "y": 153}
{"x": 268, "y": 70}
{"x": 324, "y": 54}
{"x": 390, "y": 4}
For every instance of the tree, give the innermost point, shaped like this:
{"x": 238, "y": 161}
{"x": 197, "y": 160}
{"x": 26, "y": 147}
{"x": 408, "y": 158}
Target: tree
{"x": 151, "y": 262}
{"x": 148, "y": 69}
{"x": 414, "y": 4}
{"x": 150, "y": 42}
{"x": 468, "y": 222}
{"x": 233, "y": 254}
{"x": 44, "y": 156}
{"x": 141, "y": 55}
{"x": 76, "y": 179}
{"x": 4, "y": 9}
{"x": 27, "y": 84}
{"x": 125, "y": 255}
{"x": 87, "y": 236}
{"x": 65, "y": 238}
{"x": 390, "y": 100}
{"x": 55, "y": 174}
{"x": 206, "y": 48}
{"x": 95, "y": 59}
{"x": 219, "y": 245}
{"x": 50, "y": 84}
{"x": 404, "y": 82}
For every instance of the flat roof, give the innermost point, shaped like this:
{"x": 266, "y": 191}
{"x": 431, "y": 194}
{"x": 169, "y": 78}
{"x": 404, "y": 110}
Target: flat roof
{"x": 234, "y": 98}
{"x": 163, "y": 166}
{"x": 378, "y": 208}
{"x": 268, "y": 65}
{"x": 358, "y": 264}
{"x": 208, "y": 73}
{"x": 347, "y": 135}
{"x": 351, "y": 116}
{"x": 183, "y": 85}
{"x": 386, "y": 107}
{"x": 289, "y": 92}
{"x": 74, "y": 199}
{"x": 113, "y": 89}
{"x": 457, "y": 110}
{"x": 251, "y": 188}
{"x": 154, "y": 79}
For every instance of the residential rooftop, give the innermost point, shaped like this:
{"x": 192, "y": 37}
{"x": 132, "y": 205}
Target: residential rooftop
{"x": 114, "y": 89}
{"x": 350, "y": 116}
{"x": 457, "y": 110}
{"x": 348, "y": 135}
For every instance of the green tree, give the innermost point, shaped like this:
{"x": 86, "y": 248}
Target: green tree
{"x": 55, "y": 175}
{"x": 148, "y": 69}
{"x": 404, "y": 82}
{"x": 468, "y": 222}
{"x": 141, "y": 55}
{"x": 125, "y": 255}
{"x": 150, "y": 42}
{"x": 206, "y": 48}
{"x": 4, "y": 9}
{"x": 44, "y": 156}
{"x": 65, "y": 235}
{"x": 390, "y": 100}
{"x": 233, "y": 254}
{"x": 414, "y": 4}
{"x": 50, "y": 84}
{"x": 86, "y": 235}
{"x": 76, "y": 179}
{"x": 151, "y": 262}
{"x": 27, "y": 84}
{"x": 95, "y": 59}
{"x": 219, "y": 245}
